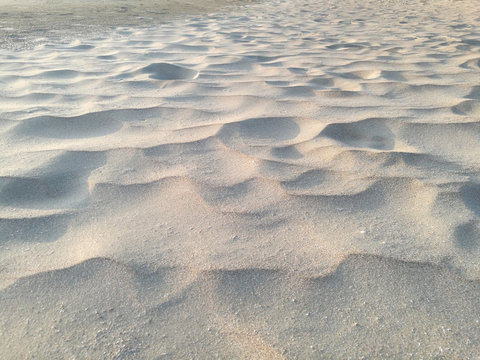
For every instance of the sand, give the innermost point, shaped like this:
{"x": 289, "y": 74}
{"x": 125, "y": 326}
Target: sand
{"x": 270, "y": 180}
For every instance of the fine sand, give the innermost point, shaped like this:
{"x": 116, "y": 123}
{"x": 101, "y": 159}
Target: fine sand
{"x": 270, "y": 180}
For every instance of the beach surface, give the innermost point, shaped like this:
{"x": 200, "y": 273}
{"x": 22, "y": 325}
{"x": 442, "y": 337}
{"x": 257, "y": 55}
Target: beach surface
{"x": 240, "y": 180}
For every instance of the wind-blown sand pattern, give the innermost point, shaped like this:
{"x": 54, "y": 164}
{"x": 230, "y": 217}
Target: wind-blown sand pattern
{"x": 281, "y": 180}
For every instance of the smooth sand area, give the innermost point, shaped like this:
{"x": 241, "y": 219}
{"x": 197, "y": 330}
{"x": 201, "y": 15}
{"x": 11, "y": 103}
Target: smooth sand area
{"x": 291, "y": 180}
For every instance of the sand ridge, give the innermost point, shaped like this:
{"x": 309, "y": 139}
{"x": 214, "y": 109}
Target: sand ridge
{"x": 323, "y": 153}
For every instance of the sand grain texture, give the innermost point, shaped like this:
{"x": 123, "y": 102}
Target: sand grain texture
{"x": 274, "y": 180}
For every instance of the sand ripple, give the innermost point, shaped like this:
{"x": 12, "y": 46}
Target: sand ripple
{"x": 236, "y": 172}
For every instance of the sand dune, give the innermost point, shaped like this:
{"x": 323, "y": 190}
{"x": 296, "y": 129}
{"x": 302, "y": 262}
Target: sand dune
{"x": 269, "y": 180}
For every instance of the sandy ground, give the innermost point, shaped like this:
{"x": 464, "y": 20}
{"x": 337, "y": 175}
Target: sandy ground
{"x": 25, "y": 24}
{"x": 291, "y": 180}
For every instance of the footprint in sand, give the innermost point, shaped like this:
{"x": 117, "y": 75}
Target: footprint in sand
{"x": 165, "y": 71}
{"x": 77, "y": 127}
{"x": 370, "y": 133}
{"x": 467, "y": 235}
{"x": 470, "y": 194}
{"x": 62, "y": 183}
{"x": 262, "y": 131}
